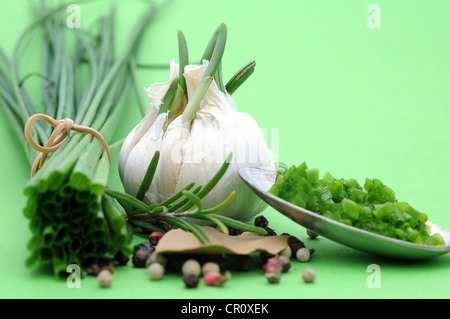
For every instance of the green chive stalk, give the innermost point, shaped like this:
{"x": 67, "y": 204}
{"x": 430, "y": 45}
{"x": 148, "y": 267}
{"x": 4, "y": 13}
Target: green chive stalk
{"x": 71, "y": 218}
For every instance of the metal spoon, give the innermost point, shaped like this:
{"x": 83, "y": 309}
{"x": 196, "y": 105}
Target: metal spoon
{"x": 261, "y": 181}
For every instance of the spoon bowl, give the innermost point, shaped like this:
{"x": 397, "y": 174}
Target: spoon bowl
{"x": 261, "y": 180}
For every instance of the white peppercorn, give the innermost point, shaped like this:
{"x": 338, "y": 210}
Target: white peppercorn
{"x": 210, "y": 266}
{"x": 303, "y": 254}
{"x": 191, "y": 266}
{"x": 155, "y": 271}
{"x": 105, "y": 278}
{"x": 309, "y": 275}
{"x": 287, "y": 252}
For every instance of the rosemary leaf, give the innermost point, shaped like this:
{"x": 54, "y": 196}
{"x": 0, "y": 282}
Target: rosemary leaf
{"x": 238, "y": 224}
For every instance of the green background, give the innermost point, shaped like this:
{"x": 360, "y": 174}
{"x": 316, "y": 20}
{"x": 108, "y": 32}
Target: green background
{"x": 355, "y": 101}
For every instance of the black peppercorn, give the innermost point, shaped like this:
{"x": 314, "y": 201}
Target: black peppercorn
{"x": 141, "y": 252}
{"x": 285, "y": 263}
{"x": 244, "y": 263}
{"x": 190, "y": 280}
{"x": 121, "y": 259}
{"x": 295, "y": 244}
{"x": 234, "y": 231}
{"x": 270, "y": 231}
{"x": 261, "y": 221}
{"x": 175, "y": 261}
{"x": 144, "y": 245}
{"x": 264, "y": 255}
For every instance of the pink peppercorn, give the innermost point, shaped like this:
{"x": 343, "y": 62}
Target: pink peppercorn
{"x": 213, "y": 278}
{"x": 272, "y": 262}
{"x": 154, "y": 237}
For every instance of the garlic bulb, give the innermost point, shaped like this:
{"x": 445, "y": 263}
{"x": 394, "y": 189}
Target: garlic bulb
{"x": 142, "y": 142}
{"x": 193, "y": 150}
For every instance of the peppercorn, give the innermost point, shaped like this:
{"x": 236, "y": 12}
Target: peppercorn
{"x": 219, "y": 259}
{"x": 105, "y": 278}
{"x": 212, "y": 278}
{"x": 234, "y": 231}
{"x": 309, "y": 275}
{"x": 287, "y": 252}
{"x": 144, "y": 245}
{"x": 303, "y": 254}
{"x": 191, "y": 266}
{"x": 101, "y": 265}
{"x": 311, "y": 234}
{"x": 295, "y": 244}
{"x": 244, "y": 263}
{"x": 190, "y": 280}
{"x": 285, "y": 263}
{"x": 264, "y": 255}
{"x": 156, "y": 258}
{"x": 271, "y": 263}
{"x": 175, "y": 261}
{"x": 93, "y": 270}
{"x": 141, "y": 252}
{"x": 155, "y": 237}
{"x": 155, "y": 271}
{"x": 210, "y": 267}
{"x": 261, "y": 221}
{"x": 120, "y": 258}
{"x": 273, "y": 275}
{"x": 270, "y": 231}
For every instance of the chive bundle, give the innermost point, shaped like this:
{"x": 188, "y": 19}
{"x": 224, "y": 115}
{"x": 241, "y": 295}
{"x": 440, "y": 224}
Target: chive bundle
{"x": 71, "y": 218}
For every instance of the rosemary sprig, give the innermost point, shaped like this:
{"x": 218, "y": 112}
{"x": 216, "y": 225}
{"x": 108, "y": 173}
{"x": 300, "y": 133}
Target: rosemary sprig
{"x": 180, "y": 215}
